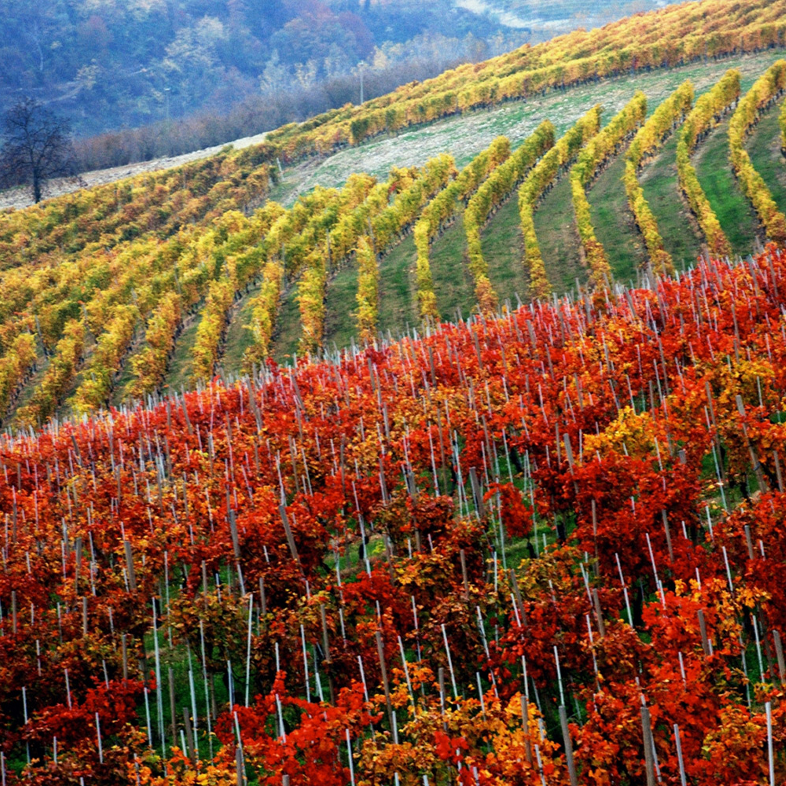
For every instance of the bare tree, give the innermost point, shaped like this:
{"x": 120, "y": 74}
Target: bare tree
{"x": 36, "y": 147}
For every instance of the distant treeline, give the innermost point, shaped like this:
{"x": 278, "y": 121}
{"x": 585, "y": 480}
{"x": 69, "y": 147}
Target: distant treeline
{"x": 253, "y": 116}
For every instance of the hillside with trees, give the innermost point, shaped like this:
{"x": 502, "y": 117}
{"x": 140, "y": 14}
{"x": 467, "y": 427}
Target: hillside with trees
{"x": 232, "y": 68}
{"x": 126, "y": 64}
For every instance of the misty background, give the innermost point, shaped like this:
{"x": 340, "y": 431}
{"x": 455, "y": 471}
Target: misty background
{"x": 140, "y": 79}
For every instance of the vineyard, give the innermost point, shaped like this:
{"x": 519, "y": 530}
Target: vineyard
{"x": 162, "y": 282}
{"x": 437, "y": 440}
{"x": 546, "y": 544}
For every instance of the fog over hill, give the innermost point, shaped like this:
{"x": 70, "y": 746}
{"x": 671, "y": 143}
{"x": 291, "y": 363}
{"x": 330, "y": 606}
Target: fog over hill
{"x": 242, "y": 66}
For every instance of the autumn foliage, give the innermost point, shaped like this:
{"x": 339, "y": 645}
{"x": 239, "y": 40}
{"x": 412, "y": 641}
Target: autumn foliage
{"x": 545, "y": 547}
{"x": 542, "y": 546}
{"x": 767, "y": 89}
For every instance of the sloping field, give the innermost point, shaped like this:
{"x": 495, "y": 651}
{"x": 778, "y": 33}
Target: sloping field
{"x": 195, "y": 281}
{"x": 464, "y": 137}
{"x": 542, "y": 545}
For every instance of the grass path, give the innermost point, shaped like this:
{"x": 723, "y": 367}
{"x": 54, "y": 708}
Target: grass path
{"x": 503, "y": 249}
{"x": 181, "y": 367}
{"x": 764, "y": 148}
{"x": 734, "y": 212}
{"x": 558, "y": 238}
{"x": 126, "y": 374}
{"x": 27, "y": 391}
{"x": 453, "y": 283}
{"x": 677, "y": 227}
{"x": 288, "y": 332}
{"x": 238, "y": 337}
{"x": 614, "y": 224}
{"x": 397, "y": 296}
{"x": 340, "y": 306}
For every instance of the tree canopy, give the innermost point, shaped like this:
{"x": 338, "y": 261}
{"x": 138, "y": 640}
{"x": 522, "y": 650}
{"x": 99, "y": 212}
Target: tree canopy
{"x": 36, "y": 147}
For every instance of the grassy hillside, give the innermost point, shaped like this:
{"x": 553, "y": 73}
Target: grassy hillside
{"x": 163, "y": 282}
{"x": 737, "y": 217}
{"x": 555, "y": 222}
{"x": 661, "y": 188}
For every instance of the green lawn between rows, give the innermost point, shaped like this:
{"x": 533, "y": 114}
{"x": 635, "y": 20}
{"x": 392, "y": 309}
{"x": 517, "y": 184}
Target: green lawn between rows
{"x": 554, "y": 222}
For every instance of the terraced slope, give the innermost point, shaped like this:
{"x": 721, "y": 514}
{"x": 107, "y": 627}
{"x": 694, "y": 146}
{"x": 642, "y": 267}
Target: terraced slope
{"x": 555, "y": 221}
{"x": 213, "y": 284}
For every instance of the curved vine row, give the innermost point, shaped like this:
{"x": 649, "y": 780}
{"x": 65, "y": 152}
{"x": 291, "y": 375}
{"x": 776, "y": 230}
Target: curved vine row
{"x": 539, "y": 180}
{"x": 782, "y": 123}
{"x": 591, "y": 159}
{"x": 704, "y": 116}
{"x": 441, "y": 210}
{"x": 665, "y": 119}
{"x": 765, "y": 91}
{"x": 368, "y": 286}
{"x": 489, "y": 196}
